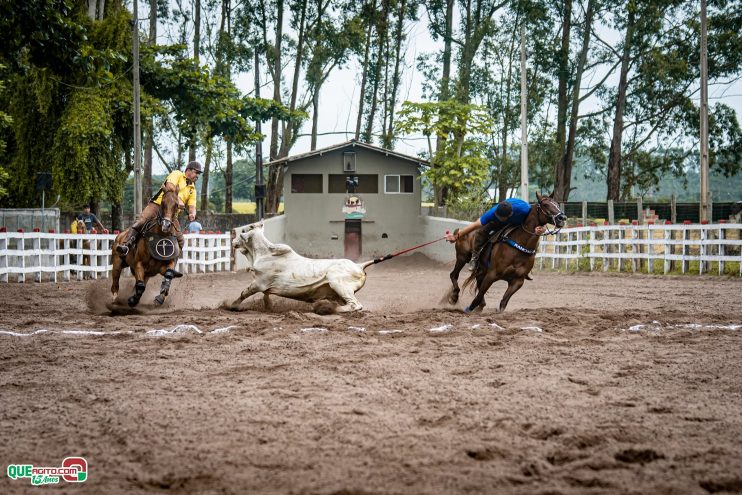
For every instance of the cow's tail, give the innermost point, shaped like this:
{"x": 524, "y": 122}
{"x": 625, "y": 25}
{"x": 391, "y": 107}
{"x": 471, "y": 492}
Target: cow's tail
{"x": 367, "y": 264}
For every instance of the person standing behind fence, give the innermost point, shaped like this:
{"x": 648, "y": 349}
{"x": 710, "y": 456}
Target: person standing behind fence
{"x": 91, "y": 220}
{"x": 184, "y": 183}
{"x": 194, "y": 227}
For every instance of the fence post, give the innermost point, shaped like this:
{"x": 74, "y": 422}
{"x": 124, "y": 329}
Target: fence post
{"x": 584, "y": 213}
{"x": 703, "y": 235}
{"x": 591, "y": 236}
{"x": 79, "y": 246}
{"x": 555, "y": 252}
{"x": 650, "y": 247}
{"x": 669, "y": 247}
{"x": 635, "y": 247}
{"x": 722, "y": 248}
{"x": 106, "y": 246}
{"x": 611, "y": 217}
{"x": 21, "y": 246}
{"x": 65, "y": 258}
{"x": 37, "y": 247}
{"x": 673, "y": 209}
{"x": 4, "y": 256}
{"x": 94, "y": 258}
{"x": 606, "y": 245}
{"x": 639, "y": 210}
{"x": 685, "y": 247}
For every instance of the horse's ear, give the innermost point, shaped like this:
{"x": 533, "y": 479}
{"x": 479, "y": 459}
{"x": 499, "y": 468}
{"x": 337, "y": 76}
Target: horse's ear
{"x": 551, "y": 194}
{"x": 538, "y": 196}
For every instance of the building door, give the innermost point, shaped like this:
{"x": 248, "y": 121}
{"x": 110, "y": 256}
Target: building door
{"x": 353, "y": 248}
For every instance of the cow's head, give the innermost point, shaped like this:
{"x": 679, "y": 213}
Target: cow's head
{"x": 244, "y": 240}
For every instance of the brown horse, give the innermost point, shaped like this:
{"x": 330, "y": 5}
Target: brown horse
{"x": 143, "y": 264}
{"x": 506, "y": 260}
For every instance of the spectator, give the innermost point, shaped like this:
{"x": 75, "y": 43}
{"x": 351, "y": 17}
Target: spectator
{"x": 195, "y": 227}
{"x": 91, "y": 220}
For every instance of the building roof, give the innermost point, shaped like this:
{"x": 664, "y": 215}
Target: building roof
{"x": 348, "y": 144}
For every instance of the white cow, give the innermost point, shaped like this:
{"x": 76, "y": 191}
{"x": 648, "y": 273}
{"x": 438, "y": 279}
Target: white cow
{"x": 281, "y": 271}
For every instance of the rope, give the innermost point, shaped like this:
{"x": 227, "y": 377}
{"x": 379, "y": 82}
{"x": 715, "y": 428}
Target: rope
{"x": 390, "y": 256}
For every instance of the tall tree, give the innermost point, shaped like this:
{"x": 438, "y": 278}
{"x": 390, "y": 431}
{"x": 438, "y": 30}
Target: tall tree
{"x": 149, "y": 122}
{"x": 614, "y": 155}
{"x": 368, "y": 13}
{"x": 336, "y": 31}
{"x": 563, "y": 174}
{"x": 192, "y": 142}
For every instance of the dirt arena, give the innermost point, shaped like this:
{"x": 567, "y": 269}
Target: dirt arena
{"x": 588, "y": 383}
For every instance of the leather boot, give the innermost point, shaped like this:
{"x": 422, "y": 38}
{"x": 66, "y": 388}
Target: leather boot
{"x": 480, "y": 239}
{"x": 129, "y": 242}
{"x": 474, "y": 261}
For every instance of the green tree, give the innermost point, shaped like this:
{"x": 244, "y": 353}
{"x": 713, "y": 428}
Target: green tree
{"x": 5, "y": 122}
{"x": 654, "y": 113}
{"x": 460, "y": 165}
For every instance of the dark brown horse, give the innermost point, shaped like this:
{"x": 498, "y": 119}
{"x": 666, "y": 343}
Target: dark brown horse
{"x": 506, "y": 261}
{"x": 143, "y": 264}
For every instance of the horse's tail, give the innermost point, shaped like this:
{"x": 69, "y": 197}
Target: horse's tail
{"x": 470, "y": 279}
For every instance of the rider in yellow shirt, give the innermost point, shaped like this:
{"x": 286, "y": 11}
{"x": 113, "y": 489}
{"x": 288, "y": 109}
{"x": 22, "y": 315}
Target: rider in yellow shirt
{"x": 187, "y": 198}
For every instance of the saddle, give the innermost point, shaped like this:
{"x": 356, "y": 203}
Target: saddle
{"x": 162, "y": 247}
{"x": 501, "y": 235}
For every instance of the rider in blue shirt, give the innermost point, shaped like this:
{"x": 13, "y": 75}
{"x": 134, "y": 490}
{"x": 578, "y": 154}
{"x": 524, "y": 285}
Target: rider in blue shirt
{"x": 512, "y": 211}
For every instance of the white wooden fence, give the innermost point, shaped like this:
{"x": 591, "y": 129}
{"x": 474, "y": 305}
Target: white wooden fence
{"x": 684, "y": 248}
{"x": 40, "y": 257}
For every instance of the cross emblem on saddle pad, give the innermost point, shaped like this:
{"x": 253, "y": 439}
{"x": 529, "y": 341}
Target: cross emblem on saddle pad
{"x": 163, "y": 248}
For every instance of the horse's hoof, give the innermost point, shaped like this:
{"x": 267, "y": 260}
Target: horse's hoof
{"x": 133, "y": 301}
{"x": 468, "y": 310}
{"x": 159, "y": 300}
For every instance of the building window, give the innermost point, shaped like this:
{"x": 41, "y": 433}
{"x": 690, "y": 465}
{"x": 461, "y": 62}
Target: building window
{"x": 399, "y": 184}
{"x": 349, "y": 161}
{"x": 361, "y": 184}
{"x": 306, "y": 183}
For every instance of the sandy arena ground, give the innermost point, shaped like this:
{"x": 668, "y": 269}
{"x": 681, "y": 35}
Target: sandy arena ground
{"x": 588, "y": 383}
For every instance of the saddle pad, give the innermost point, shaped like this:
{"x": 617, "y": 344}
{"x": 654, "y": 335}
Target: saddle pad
{"x": 163, "y": 248}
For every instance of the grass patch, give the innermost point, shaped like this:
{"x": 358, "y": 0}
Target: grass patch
{"x": 249, "y": 207}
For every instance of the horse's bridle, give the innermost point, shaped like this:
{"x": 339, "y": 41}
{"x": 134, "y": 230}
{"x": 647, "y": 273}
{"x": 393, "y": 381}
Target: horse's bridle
{"x": 552, "y": 219}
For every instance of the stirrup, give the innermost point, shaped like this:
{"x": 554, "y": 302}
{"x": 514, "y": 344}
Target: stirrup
{"x": 472, "y": 265}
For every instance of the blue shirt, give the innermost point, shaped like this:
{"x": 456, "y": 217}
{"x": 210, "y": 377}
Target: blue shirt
{"x": 521, "y": 209}
{"x": 195, "y": 227}
{"x": 90, "y": 219}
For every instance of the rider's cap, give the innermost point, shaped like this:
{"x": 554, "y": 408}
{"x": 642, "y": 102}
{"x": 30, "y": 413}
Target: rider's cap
{"x": 195, "y": 165}
{"x": 504, "y": 210}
